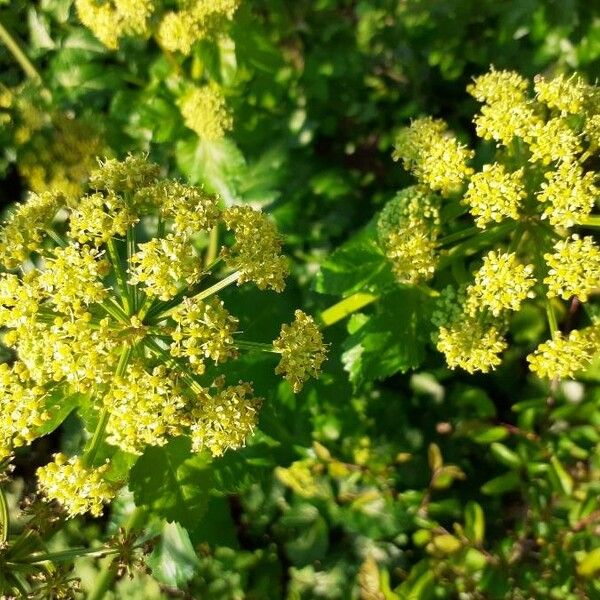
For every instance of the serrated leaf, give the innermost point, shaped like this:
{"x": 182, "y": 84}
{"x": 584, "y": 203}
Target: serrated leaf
{"x": 393, "y": 340}
{"x": 359, "y": 265}
{"x": 219, "y": 165}
{"x": 173, "y": 560}
{"x": 172, "y": 482}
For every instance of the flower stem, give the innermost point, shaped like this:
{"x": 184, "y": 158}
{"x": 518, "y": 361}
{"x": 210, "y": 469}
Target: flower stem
{"x": 18, "y": 54}
{"x": 98, "y": 437}
{"x": 213, "y": 247}
{"x": 106, "y": 578}
{"x": 551, "y": 315}
{"x": 346, "y": 307}
{"x": 257, "y": 346}
{"x": 4, "y": 517}
{"x": 115, "y": 259}
{"x": 590, "y": 221}
{"x": 131, "y": 289}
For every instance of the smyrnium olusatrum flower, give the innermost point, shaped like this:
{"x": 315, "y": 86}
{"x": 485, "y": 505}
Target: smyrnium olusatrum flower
{"x": 204, "y": 110}
{"x": 116, "y": 301}
{"x": 302, "y": 350}
{"x": 514, "y": 246}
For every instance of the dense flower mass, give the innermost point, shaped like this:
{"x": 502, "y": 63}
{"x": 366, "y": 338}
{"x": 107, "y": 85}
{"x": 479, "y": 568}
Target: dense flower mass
{"x": 176, "y": 30}
{"x": 204, "y": 110}
{"x": 114, "y": 297}
{"x": 524, "y": 203}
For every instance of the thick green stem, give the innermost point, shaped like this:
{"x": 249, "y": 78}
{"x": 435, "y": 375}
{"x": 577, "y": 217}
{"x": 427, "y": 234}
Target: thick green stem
{"x": 114, "y": 310}
{"x": 131, "y": 289}
{"x": 551, "y": 315}
{"x": 590, "y": 221}
{"x": 346, "y": 307}
{"x": 255, "y": 346}
{"x": 209, "y": 291}
{"x": 458, "y": 235}
{"x": 213, "y": 247}
{"x": 106, "y": 578}
{"x": 100, "y": 431}
{"x": 115, "y": 260}
{"x": 18, "y": 54}
{"x": 4, "y": 517}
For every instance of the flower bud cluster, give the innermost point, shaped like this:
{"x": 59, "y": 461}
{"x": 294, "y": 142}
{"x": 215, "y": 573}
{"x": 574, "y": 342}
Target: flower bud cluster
{"x": 525, "y": 202}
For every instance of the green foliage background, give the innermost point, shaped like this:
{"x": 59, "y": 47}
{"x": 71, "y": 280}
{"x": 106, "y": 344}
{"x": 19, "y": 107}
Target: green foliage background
{"x": 391, "y": 477}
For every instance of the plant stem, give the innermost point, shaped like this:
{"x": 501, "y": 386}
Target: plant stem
{"x": 98, "y": 437}
{"x": 590, "y": 221}
{"x": 114, "y": 310}
{"x": 552, "y": 322}
{"x": 209, "y": 291}
{"x": 346, "y": 307}
{"x": 131, "y": 289}
{"x": 106, "y": 577}
{"x": 18, "y": 54}
{"x": 258, "y": 346}
{"x": 213, "y": 247}
{"x": 115, "y": 259}
{"x": 458, "y": 235}
{"x": 4, "y": 517}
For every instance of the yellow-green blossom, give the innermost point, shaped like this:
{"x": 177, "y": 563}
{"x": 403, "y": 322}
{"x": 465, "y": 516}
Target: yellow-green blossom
{"x": 561, "y": 357}
{"x": 146, "y": 408}
{"x": 224, "y": 420}
{"x": 554, "y": 141}
{"x": 163, "y": 265}
{"x": 111, "y": 20}
{"x": 22, "y": 408}
{"x": 568, "y": 95}
{"x": 204, "y": 331}
{"x": 569, "y": 194}
{"x": 25, "y": 227}
{"x": 79, "y": 489}
{"x": 573, "y": 268}
{"x": 302, "y": 350}
{"x": 433, "y": 155}
{"x": 471, "y": 345}
{"x": 501, "y": 283}
{"x": 128, "y": 175}
{"x": 408, "y": 228}
{"x": 256, "y": 252}
{"x": 73, "y": 276}
{"x": 494, "y": 194}
{"x": 204, "y": 110}
{"x": 98, "y": 217}
{"x": 499, "y": 86}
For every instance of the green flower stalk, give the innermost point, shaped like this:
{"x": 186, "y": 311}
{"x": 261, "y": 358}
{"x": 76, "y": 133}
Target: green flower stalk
{"x": 517, "y": 241}
{"x": 109, "y": 298}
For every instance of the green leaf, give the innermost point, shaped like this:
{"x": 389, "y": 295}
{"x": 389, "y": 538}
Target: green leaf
{"x": 216, "y": 527}
{"x": 393, "y": 340}
{"x": 173, "y": 560}
{"x": 359, "y": 265}
{"x": 502, "y": 484}
{"x": 310, "y": 534}
{"x": 590, "y": 565}
{"x": 59, "y": 407}
{"x": 505, "y": 455}
{"x": 474, "y": 522}
{"x": 172, "y": 482}
{"x": 219, "y": 165}
{"x": 564, "y": 481}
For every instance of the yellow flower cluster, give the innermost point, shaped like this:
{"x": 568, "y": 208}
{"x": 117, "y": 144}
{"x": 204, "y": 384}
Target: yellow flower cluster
{"x": 562, "y": 356}
{"x": 302, "y": 350}
{"x": 225, "y": 420}
{"x": 204, "y": 330}
{"x": 494, "y": 194}
{"x": 523, "y": 202}
{"x": 146, "y": 408}
{"x": 128, "y": 325}
{"x": 22, "y": 408}
{"x": 256, "y": 252}
{"x": 471, "y": 345}
{"x": 196, "y": 20}
{"x": 78, "y": 488}
{"x": 408, "y": 228}
{"x": 111, "y": 20}
{"x": 573, "y": 268}
{"x": 204, "y": 110}
{"x": 433, "y": 155}
{"x": 501, "y": 283}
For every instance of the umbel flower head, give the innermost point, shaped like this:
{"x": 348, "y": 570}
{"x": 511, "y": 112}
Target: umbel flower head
{"x": 176, "y": 30}
{"x": 114, "y": 297}
{"x": 516, "y": 243}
